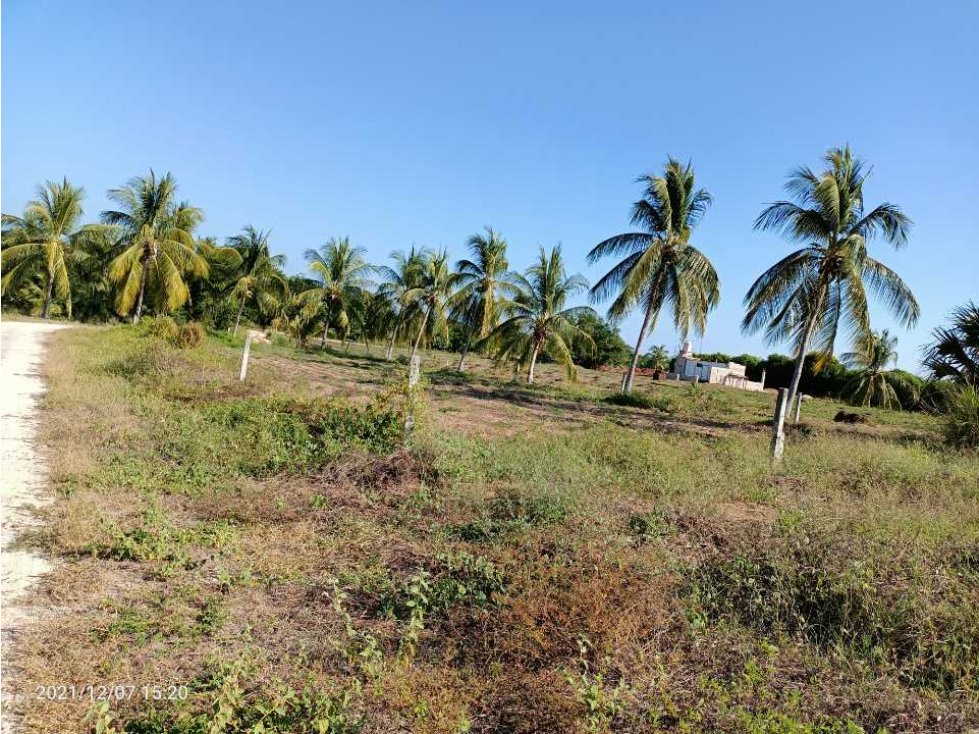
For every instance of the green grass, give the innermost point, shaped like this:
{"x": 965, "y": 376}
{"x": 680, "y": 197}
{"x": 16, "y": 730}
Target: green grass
{"x": 583, "y": 563}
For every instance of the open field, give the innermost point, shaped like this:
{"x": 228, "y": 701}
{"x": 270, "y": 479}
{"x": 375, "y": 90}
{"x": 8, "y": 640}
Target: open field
{"x": 539, "y": 559}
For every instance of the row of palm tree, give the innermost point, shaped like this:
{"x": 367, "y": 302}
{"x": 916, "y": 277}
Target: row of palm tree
{"x": 806, "y": 298}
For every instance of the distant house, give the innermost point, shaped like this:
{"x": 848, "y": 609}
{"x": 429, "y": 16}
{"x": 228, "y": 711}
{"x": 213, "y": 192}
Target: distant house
{"x": 732, "y": 374}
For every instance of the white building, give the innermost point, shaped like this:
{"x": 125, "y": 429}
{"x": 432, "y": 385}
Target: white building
{"x": 732, "y": 374}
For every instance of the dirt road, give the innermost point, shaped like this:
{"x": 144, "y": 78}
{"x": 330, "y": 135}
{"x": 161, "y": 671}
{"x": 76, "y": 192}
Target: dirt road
{"x": 22, "y": 472}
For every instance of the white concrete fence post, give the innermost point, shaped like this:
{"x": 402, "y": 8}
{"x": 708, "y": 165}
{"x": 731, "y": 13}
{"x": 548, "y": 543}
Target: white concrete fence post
{"x": 258, "y": 337}
{"x": 778, "y": 424}
{"x": 414, "y": 375}
{"x": 244, "y": 357}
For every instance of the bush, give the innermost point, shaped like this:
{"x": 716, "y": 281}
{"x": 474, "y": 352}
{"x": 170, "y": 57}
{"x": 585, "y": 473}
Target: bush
{"x": 961, "y": 422}
{"x": 184, "y": 336}
{"x": 189, "y": 335}
{"x": 162, "y": 327}
{"x": 640, "y": 400}
{"x": 265, "y": 436}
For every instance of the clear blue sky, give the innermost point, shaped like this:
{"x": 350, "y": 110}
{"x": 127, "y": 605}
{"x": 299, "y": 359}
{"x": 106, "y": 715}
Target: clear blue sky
{"x": 401, "y": 123}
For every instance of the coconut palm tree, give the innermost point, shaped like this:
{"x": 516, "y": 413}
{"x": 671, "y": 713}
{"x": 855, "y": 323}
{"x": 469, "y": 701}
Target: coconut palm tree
{"x": 538, "y": 321}
{"x": 45, "y": 240}
{"x": 159, "y": 249}
{"x": 658, "y": 358}
{"x": 259, "y": 275}
{"x": 377, "y": 317}
{"x": 874, "y": 384}
{"x": 344, "y": 274}
{"x": 808, "y": 295}
{"x": 397, "y": 281}
{"x": 431, "y": 296}
{"x": 480, "y": 278}
{"x": 659, "y": 266}
{"x": 954, "y": 354}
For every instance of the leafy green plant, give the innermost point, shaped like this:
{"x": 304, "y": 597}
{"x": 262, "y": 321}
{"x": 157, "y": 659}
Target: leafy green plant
{"x": 648, "y": 526}
{"x": 602, "y": 701}
{"x": 465, "y": 578}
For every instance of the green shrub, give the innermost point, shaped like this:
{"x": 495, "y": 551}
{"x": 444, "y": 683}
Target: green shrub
{"x": 262, "y": 436}
{"x": 465, "y": 578}
{"x": 640, "y": 400}
{"x": 184, "y": 336}
{"x": 162, "y": 327}
{"x": 961, "y": 420}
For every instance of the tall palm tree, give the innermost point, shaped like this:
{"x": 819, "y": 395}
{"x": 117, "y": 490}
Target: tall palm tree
{"x": 480, "y": 278}
{"x": 431, "y": 295}
{"x": 159, "y": 247}
{"x": 873, "y": 383}
{"x": 659, "y": 266}
{"x": 809, "y": 294}
{"x": 45, "y": 239}
{"x": 954, "y": 355}
{"x": 343, "y": 274}
{"x": 397, "y": 281}
{"x": 537, "y": 320}
{"x": 259, "y": 274}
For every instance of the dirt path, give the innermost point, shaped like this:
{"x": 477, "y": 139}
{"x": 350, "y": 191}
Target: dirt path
{"x": 22, "y": 473}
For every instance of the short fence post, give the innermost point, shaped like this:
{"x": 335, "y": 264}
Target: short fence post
{"x": 778, "y": 425}
{"x": 414, "y": 374}
{"x": 244, "y": 357}
{"x": 798, "y": 407}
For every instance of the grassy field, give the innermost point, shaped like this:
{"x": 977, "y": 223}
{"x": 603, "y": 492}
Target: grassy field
{"x": 538, "y": 559}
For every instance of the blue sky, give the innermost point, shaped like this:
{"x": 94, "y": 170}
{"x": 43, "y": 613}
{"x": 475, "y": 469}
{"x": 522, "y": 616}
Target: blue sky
{"x": 401, "y": 123}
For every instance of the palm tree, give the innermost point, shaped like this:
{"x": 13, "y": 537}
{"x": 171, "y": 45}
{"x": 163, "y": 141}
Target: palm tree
{"x": 377, "y": 317}
{"x": 809, "y": 294}
{"x": 659, "y": 266}
{"x": 259, "y": 276}
{"x": 658, "y": 358}
{"x": 537, "y": 320}
{"x": 46, "y": 239}
{"x": 873, "y": 383}
{"x": 954, "y": 355}
{"x": 159, "y": 248}
{"x": 397, "y": 281}
{"x": 343, "y": 274}
{"x": 431, "y": 295}
{"x": 479, "y": 280}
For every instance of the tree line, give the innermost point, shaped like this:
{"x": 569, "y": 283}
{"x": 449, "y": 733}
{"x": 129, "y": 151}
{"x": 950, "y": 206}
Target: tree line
{"x": 143, "y": 256}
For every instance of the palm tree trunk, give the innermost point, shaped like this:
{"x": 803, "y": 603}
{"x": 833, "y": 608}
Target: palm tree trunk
{"x": 390, "y": 350}
{"x": 49, "y": 293}
{"x": 241, "y": 307}
{"x": 533, "y": 363}
{"x": 465, "y": 351}
{"x": 631, "y": 372}
{"x": 142, "y": 292}
{"x": 800, "y": 359}
{"x": 421, "y": 330}
{"x": 326, "y": 329}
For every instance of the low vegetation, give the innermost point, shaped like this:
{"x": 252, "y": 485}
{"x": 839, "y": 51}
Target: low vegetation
{"x": 545, "y": 558}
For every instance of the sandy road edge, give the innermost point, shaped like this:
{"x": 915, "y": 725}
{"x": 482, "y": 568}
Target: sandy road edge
{"x": 23, "y": 478}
